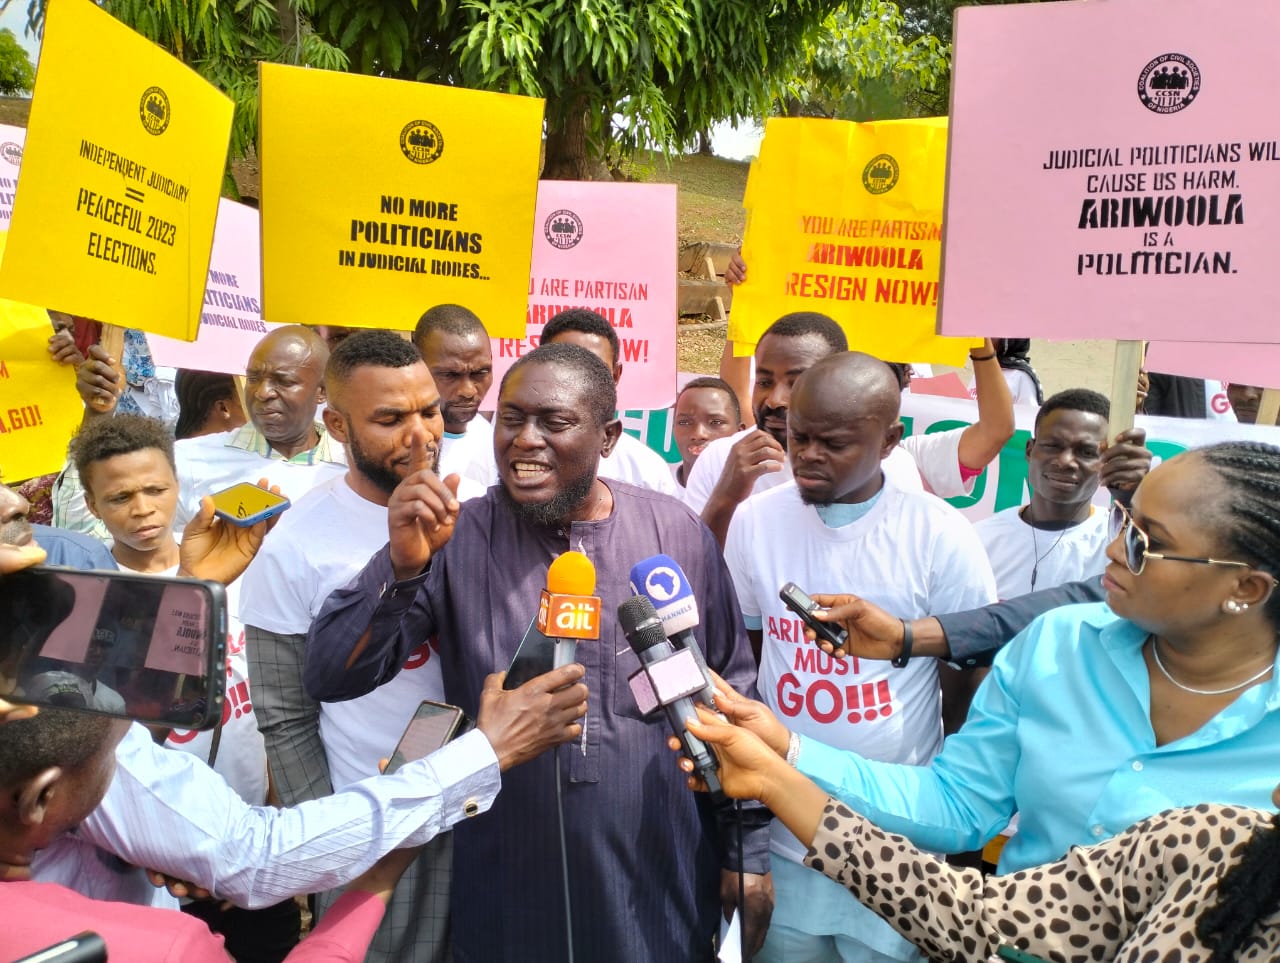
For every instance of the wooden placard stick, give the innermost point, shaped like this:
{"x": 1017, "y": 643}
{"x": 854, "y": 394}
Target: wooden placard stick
{"x": 111, "y": 340}
{"x": 1124, "y": 385}
{"x": 1269, "y": 407}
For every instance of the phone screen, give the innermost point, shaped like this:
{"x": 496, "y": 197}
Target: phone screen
{"x": 432, "y": 725}
{"x": 138, "y": 646}
{"x": 246, "y": 501}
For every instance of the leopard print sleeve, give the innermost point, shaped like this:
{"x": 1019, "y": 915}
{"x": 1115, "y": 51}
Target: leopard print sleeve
{"x": 1080, "y": 909}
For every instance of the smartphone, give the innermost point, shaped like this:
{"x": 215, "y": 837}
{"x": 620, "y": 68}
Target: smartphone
{"x": 246, "y": 504}
{"x": 432, "y": 725}
{"x": 142, "y": 647}
{"x": 86, "y": 947}
{"x": 535, "y": 656}
{"x": 803, "y": 606}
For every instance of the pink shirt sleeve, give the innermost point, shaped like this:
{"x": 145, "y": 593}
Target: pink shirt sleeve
{"x": 344, "y": 934}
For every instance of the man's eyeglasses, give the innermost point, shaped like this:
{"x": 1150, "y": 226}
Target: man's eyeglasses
{"x": 1137, "y": 546}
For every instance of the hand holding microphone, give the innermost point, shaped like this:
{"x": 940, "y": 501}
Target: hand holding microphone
{"x": 673, "y": 677}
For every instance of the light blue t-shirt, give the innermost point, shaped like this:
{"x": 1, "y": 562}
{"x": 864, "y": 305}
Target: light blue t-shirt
{"x": 1060, "y": 731}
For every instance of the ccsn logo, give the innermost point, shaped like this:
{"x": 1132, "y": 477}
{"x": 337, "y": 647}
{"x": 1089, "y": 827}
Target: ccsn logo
{"x": 662, "y": 584}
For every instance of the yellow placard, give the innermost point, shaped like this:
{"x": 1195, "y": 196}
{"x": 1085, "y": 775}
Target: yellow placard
{"x": 846, "y": 219}
{"x": 120, "y": 178}
{"x": 39, "y": 407}
{"x": 382, "y": 198}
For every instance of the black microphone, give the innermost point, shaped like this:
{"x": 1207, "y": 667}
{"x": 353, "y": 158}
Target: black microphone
{"x": 662, "y": 581}
{"x": 674, "y": 677}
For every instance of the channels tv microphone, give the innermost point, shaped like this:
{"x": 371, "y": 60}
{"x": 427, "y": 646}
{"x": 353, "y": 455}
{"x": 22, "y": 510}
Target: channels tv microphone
{"x": 672, "y": 676}
{"x": 567, "y": 611}
{"x": 662, "y": 581}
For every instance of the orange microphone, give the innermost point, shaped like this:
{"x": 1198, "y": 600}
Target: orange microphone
{"x": 567, "y": 611}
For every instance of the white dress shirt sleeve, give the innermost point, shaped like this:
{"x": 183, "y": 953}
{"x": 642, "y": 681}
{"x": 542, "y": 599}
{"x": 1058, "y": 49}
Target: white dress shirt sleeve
{"x": 168, "y": 811}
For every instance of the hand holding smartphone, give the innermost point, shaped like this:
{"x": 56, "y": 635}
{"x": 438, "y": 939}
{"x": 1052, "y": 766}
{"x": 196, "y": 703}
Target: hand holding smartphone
{"x": 433, "y": 725}
{"x": 804, "y": 607}
{"x": 245, "y": 504}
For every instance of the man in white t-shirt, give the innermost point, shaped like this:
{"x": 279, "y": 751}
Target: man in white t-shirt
{"x": 126, "y": 465}
{"x": 631, "y": 460}
{"x": 844, "y": 521}
{"x": 731, "y": 469}
{"x": 1060, "y": 535}
{"x": 284, "y": 382}
{"x": 453, "y": 343}
{"x": 385, "y": 408}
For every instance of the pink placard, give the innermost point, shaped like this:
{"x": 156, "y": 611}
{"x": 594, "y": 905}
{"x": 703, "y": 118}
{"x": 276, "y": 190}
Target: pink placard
{"x": 610, "y": 248}
{"x": 1114, "y": 172}
{"x": 12, "y": 140}
{"x": 69, "y": 641}
{"x": 1242, "y": 364}
{"x": 231, "y": 322}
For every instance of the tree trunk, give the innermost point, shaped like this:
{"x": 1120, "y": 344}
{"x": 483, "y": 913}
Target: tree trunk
{"x": 567, "y": 156}
{"x": 704, "y": 144}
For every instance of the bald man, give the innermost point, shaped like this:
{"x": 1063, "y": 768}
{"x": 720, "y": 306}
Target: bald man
{"x": 843, "y": 525}
{"x": 284, "y": 384}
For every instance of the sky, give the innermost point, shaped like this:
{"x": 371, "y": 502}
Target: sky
{"x": 15, "y": 18}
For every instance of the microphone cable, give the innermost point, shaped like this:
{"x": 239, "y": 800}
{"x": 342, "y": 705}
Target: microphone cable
{"x": 564, "y": 858}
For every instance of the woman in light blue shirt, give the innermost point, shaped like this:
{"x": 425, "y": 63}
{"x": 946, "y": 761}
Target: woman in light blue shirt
{"x": 1098, "y": 716}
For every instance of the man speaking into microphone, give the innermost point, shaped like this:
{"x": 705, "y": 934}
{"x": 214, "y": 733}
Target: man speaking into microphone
{"x": 650, "y": 866}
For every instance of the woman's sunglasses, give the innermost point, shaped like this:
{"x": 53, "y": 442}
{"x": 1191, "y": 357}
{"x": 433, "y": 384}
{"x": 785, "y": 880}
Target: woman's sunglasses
{"x": 1137, "y": 546}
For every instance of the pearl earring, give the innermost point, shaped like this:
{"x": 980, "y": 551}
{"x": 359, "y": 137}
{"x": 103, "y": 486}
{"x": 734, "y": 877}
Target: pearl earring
{"x": 1234, "y": 607}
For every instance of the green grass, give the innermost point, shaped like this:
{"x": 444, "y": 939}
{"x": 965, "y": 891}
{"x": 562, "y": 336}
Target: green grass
{"x": 710, "y": 206}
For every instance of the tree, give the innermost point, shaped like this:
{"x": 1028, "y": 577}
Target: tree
{"x": 17, "y": 76}
{"x": 868, "y": 64}
{"x": 616, "y": 74}
{"x": 223, "y": 42}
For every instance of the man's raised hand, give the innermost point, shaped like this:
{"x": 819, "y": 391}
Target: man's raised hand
{"x": 421, "y": 513}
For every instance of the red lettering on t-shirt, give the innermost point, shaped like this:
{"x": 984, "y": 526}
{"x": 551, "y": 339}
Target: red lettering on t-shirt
{"x": 418, "y": 657}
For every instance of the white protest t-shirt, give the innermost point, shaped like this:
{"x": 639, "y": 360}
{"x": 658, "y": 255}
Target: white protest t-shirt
{"x": 1067, "y": 555}
{"x": 634, "y": 462}
{"x": 1217, "y": 406}
{"x": 470, "y": 454}
{"x": 206, "y": 465}
{"x": 911, "y": 554}
{"x": 319, "y": 545}
{"x": 933, "y": 459}
{"x": 242, "y": 753}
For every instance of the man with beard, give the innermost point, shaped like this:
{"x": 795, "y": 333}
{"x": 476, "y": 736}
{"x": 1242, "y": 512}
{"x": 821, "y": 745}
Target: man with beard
{"x": 455, "y": 346}
{"x": 649, "y": 865}
{"x": 384, "y": 407}
{"x": 282, "y": 441}
{"x": 844, "y": 521}
{"x": 752, "y": 461}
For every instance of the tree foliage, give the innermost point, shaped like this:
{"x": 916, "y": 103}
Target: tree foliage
{"x": 616, "y": 74}
{"x": 223, "y": 42}
{"x": 868, "y": 64}
{"x": 17, "y": 76}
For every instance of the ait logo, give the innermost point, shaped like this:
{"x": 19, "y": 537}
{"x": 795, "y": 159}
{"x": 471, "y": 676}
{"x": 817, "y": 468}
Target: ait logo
{"x": 421, "y": 141}
{"x": 880, "y": 174}
{"x": 153, "y": 110}
{"x": 563, "y": 229}
{"x": 11, "y": 152}
{"x": 1169, "y": 83}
